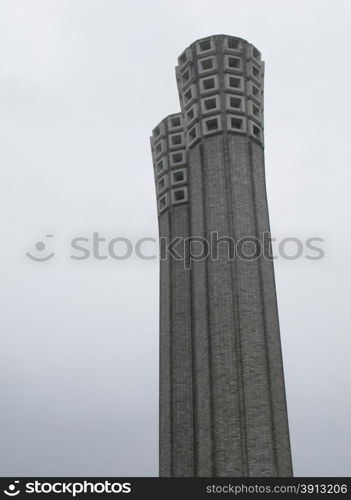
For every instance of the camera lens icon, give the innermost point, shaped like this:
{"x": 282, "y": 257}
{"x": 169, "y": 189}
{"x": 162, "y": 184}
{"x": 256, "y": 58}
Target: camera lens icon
{"x": 13, "y": 491}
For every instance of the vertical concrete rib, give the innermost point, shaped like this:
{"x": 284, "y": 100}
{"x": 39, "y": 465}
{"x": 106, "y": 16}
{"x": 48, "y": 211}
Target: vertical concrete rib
{"x": 165, "y": 416}
{"x": 256, "y": 384}
{"x": 201, "y": 330}
{"x": 226, "y": 410}
{"x": 236, "y": 310}
{"x": 278, "y": 398}
{"x": 181, "y": 340}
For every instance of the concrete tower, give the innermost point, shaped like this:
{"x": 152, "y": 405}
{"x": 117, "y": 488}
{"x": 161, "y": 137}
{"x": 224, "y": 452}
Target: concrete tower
{"x": 222, "y": 396}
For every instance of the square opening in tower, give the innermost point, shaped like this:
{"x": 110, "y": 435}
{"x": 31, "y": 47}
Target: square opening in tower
{"x": 210, "y": 104}
{"x": 179, "y": 195}
{"x": 185, "y": 76}
{"x": 161, "y": 166}
{"x": 191, "y": 115}
{"x": 234, "y": 82}
{"x": 162, "y": 184}
{"x": 189, "y": 96}
{"x": 176, "y": 139}
{"x": 207, "y": 65}
{"x": 160, "y": 148}
{"x": 176, "y": 122}
{"x": 184, "y": 58}
{"x": 208, "y": 84}
{"x": 234, "y": 62}
{"x": 212, "y": 124}
{"x": 177, "y": 158}
{"x": 235, "y": 103}
{"x": 254, "y": 109}
{"x": 255, "y": 71}
{"x": 236, "y": 123}
{"x": 255, "y": 131}
{"x": 193, "y": 135}
{"x": 178, "y": 176}
{"x": 163, "y": 203}
{"x": 205, "y": 46}
{"x": 233, "y": 44}
{"x": 254, "y": 91}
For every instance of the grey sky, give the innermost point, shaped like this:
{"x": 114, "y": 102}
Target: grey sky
{"x": 82, "y": 85}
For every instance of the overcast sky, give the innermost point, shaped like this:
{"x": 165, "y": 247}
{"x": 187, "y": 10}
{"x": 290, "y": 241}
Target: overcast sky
{"x": 82, "y": 85}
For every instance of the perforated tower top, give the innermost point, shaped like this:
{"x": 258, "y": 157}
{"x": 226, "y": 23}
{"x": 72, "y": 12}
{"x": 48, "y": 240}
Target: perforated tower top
{"x": 220, "y": 83}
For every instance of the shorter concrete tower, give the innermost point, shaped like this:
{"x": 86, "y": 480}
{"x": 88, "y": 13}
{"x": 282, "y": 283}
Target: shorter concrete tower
{"x": 222, "y": 397}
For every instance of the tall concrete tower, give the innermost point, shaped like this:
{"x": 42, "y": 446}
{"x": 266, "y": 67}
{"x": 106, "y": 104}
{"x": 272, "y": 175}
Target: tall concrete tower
{"x": 222, "y": 396}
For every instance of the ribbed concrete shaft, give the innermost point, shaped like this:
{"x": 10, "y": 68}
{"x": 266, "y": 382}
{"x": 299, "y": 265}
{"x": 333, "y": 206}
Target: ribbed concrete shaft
{"x": 222, "y": 397}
